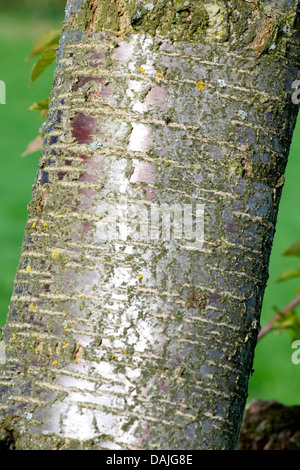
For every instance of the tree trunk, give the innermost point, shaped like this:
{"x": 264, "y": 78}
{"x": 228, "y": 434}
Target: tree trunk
{"x": 269, "y": 425}
{"x": 125, "y": 331}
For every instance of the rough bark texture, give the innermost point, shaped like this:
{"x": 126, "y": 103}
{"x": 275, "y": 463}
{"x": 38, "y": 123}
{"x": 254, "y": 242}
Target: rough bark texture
{"x": 269, "y": 425}
{"x": 140, "y": 343}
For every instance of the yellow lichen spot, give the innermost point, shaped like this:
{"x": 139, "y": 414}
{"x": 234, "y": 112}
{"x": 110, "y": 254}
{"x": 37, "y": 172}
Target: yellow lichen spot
{"x": 45, "y": 224}
{"x": 65, "y": 327}
{"x": 76, "y": 361}
{"x": 146, "y": 23}
{"x": 200, "y": 85}
{"x": 243, "y": 269}
{"x": 32, "y": 335}
{"x": 56, "y": 227}
{"x": 120, "y": 320}
{"x": 66, "y": 345}
{"x": 32, "y": 307}
{"x": 159, "y": 74}
{"x": 219, "y": 33}
{"x": 104, "y": 260}
{"x": 33, "y": 225}
{"x": 64, "y": 314}
{"x": 207, "y": 216}
{"x": 233, "y": 165}
{"x": 124, "y": 351}
{"x": 141, "y": 276}
{"x": 109, "y": 339}
{"x": 55, "y": 254}
{"x": 28, "y": 269}
{"x": 13, "y": 336}
{"x": 54, "y": 363}
{"x": 113, "y": 356}
{"x": 142, "y": 70}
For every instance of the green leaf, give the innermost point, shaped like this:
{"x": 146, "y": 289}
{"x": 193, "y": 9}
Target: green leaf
{"x": 289, "y": 322}
{"x": 289, "y": 274}
{"x": 47, "y": 58}
{"x": 43, "y": 42}
{"x": 294, "y": 250}
{"x": 40, "y": 106}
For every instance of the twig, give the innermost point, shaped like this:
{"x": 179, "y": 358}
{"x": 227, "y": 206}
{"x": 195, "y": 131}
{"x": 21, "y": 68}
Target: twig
{"x": 269, "y": 326}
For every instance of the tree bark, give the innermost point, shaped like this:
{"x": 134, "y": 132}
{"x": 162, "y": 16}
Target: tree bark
{"x": 134, "y": 341}
{"x": 269, "y": 425}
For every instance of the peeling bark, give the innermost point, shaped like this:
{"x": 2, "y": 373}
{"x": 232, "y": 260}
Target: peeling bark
{"x": 144, "y": 343}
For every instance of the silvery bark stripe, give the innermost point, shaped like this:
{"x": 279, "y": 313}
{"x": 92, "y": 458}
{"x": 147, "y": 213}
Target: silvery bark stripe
{"x": 143, "y": 342}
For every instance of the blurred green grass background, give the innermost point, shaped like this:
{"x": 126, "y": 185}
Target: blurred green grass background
{"x": 21, "y": 21}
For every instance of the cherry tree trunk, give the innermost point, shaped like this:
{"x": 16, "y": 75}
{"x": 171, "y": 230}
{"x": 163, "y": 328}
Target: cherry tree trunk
{"x": 136, "y": 305}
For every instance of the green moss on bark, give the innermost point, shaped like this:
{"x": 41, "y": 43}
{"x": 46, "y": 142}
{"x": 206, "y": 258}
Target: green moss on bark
{"x": 172, "y": 19}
